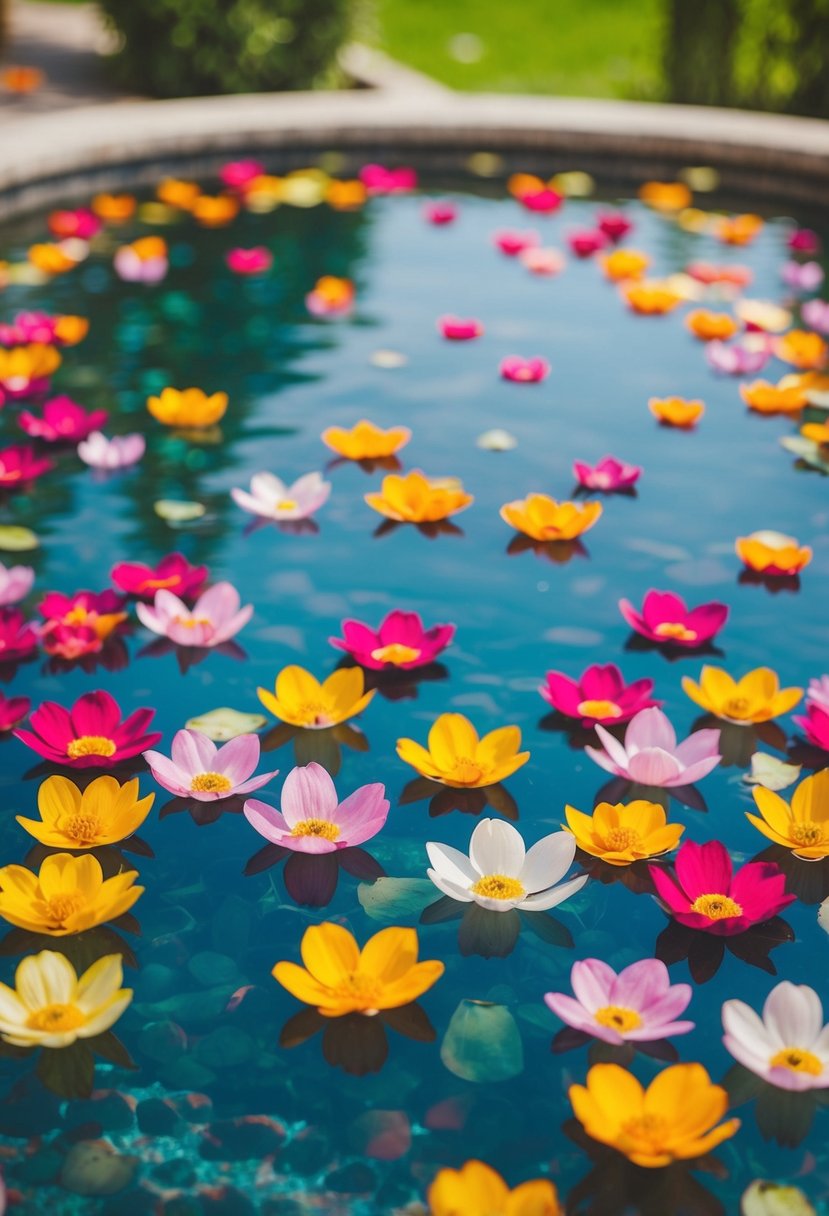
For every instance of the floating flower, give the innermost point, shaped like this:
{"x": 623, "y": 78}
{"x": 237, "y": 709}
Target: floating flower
{"x": 665, "y": 618}
{"x": 542, "y": 261}
{"x": 79, "y": 222}
{"x": 400, "y": 641}
{"x": 477, "y": 1190}
{"x": 331, "y": 297}
{"x": 17, "y": 78}
{"x": 177, "y": 193}
{"x": 19, "y": 466}
{"x": 62, "y": 421}
{"x": 803, "y": 825}
{"x": 119, "y": 452}
{"x": 114, "y": 208}
{"x": 25, "y": 370}
{"x": 378, "y": 179}
{"x": 524, "y": 371}
{"x": 789, "y": 1045}
{"x": 802, "y": 349}
{"x": 511, "y": 241}
{"x": 802, "y": 276}
{"x": 215, "y": 617}
{"x": 666, "y": 196}
{"x": 15, "y": 583}
{"x": 599, "y": 695}
{"x": 676, "y": 411}
{"x": 671, "y": 1120}
{"x": 737, "y": 359}
{"x": 440, "y": 212}
{"x": 544, "y": 519}
{"x": 50, "y": 1006}
{"x": 815, "y": 313}
{"x": 57, "y": 257}
{"x": 313, "y": 820}
{"x": 818, "y": 692}
{"x": 80, "y": 623}
{"x": 457, "y": 757}
{"x": 12, "y": 711}
{"x": 815, "y": 725}
{"x": 257, "y": 260}
{"x": 104, "y": 813}
{"x": 650, "y": 754}
{"x": 766, "y": 398}
{"x": 709, "y": 896}
{"x": 414, "y": 498}
{"x": 623, "y": 265}
{"x": 621, "y": 835}
{"x": 18, "y": 637}
{"x": 609, "y": 476}
{"x": 614, "y": 224}
{"x": 240, "y": 174}
{"x": 365, "y": 441}
{"x": 637, "y": 1005}
{"x": 200, "y": 770}
{"x": 339, "y": 978}
{"x": 46, "y": 330}
{"x": 214, "y": 210}
{"x": 89, "y": 735}
{"x": 188, "y": 408}
{"x": 499, "y": 874}
{"x": 772, "y": 553}
{"x": 707, "y": 325}
{"x": 460, "y": 329}
{"x": 649, "y": 299}
{"x": 584, "y": 242}
{"x": 710, "y": 273}
{"x": 546, "y": 201}
{"x": 756, "y": 697}
{"x": 346, "y": 195}
{"x": 763, "y": 316}
{"x": 301, "y": 700}
{"x": 173, "y": 573}
{"x": 68, "y": 895}
{"x": 272, "y": 498}
{"x": 804, "y": 240}
{"x": 144, "y": 261}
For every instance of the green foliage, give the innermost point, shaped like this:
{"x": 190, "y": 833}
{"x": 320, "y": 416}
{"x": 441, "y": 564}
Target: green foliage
{"x": 177, "y": 48}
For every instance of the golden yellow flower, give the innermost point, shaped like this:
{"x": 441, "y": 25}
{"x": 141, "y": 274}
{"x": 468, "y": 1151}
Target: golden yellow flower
{"x": 802, "y": 349}
{"x": 114, "y": 208}
{"x": 650, "y": 299}
{"x": 148, "y": 248}
{"x": 773, "y": 553}
{"x": 477, "y": 1190}
{"x": 622, "y": 834}
{"x": 802, "y": 826}
{"x": 456, "y": 756}
{"x": 177, "y": 193}
{"x": 51, "y": 258}
{"x": 709, "y": 326}
{"x": 70, "y": 330}
{"x": 188, "y": 408}
{"x": 738, "y": 229}
{"x": 346, "y": 195}
{"x": 766, "y": 398}
{"x": 50, "y": 1006}
{"x": 671, "y": 1120}
{"x": 676, "y": 411}
{"x": 666, "y": 196}
{"x": 339, "y": 978}
{"x": 24, "y": 363}
{"x": 818, "y": 432}
{"x": 365, "y": 441}
{"x": 624, "y": 264}
{"x": 301, "y": 700}
{"x": 69, "y": 894}
{"x": 756, "y": 697}
{"x": 104, "y": 813}
{"x": 414, "y": 499}
{"x": 214, "y": 211}
{"x": 544, "y": 519}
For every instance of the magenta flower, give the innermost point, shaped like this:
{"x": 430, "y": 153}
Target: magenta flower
{"x": 19, "y": 466}
{"x": 12, "y": 711}
{"x": 802, "y": 276}
{"x": 312, "y": 820}
{"x": 511, "y": 241}
{"x": 399, "y": 641}
{"x": 79, "y": 222}
{"x": 736, "y": 359}
{"x": 18, "y": 637}
{"x": 639, "y": 1005}
{"x": 614, "y": 224}
{"x": 584, "y": 242}
{"x": 173, "y": 573}
{"x": 214, "y": 618}
{"x": 665, "y": 618}
{"x": 460, "y": 329}
{"x": 815, "y": 314}
{"x": 15, "y": 583}
{"x": 79, "y": 624}
{"x": 440, "y": 212}
{"x": 29, "y": 327}
{"x": 544, "y": 201}
{"x": 238, "y": 174}
{"x": 62, "y": 421}
{"x": 198, "y": 769}
{"x": 89, "y": 735}
{"x": 708, "y": 895}
{"x": 524, "y": 371}
{"x": 377, "y": 179}
{"x": 599, "y": 695}
{"x": 650, "y": 754}
{"x": 608, "y": 476}
{"x": 111, "y": 454}
{"x": 815, "y": 724}
{"x": 804, "y": 240}
{"x": 249, "y": 261}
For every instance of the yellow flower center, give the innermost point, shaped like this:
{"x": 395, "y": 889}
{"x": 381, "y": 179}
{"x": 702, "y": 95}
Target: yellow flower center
{"x": 797, "y": 1061}
{"x": 647, "y": 1131}
{"x": 737, "y": 707}
{"x": 618, "y": 1018}
{"x": 211, "y": 783}
{"x": 363, "y": 988}
{"x": 621, "y": 839}
{"x": 598, "y": 709}
{"x": 807, "y": 833}
{"x": 498, "y": 886}
{"x": 675, "y": 629}
{"x": 190, "y": 622}
{"x": 83, "y": 829}
{"x": 313, "y": 713}
{"x": 90, "y": 745}
{"x": 716, "y": 907}
{"x": 76, "y": 616}
{"x": 55, "y": 1018}
{"x": 60, "y": 907}
{"x": 395, "y": 653}
{"x": 316, "y": 827}
{"x": 467, "y": 771}
{"x": 157, "y": 584}
{"x": 286, "y": 504}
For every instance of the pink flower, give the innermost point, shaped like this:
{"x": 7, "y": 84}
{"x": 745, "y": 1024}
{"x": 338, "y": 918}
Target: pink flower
{"x": 215, "y": 617}
{"x": 29, "y": 327}
{"x": 173, "y": 573}
{"x": 708, "y": 895}
{"x": 15, "y": 583}
{"x": 650, "y": 754}
{"x": 18, "y": 637}
{"x": 584, "y": 242}
{"x": 12, "y": 711}
{"x": 664, "y": 618}
{"x": 62, "y": 421}
{"x": 312, "y": 820}
{"x": 543, "y": 201}
{"x": 639, "y": 1005}
{"x": 511, "y": 241}
{"x": 458, "y": 329}
{"x": 614, "y": 224}
{"x": 609, "y": 475}
{"x": 599, "y": 695}
{"x": 802, "y": 276}
{"x": 815, "y": 314}
{"x": 818, "y": 693}
{"x": 440, "y": 212}
{"x": 524, "y": 371}
{"x": 804, "y": 240}
{"x": 736, "y": 359}
{"x": 198, "y": 769}
{"x": 80, "y": 223}
{"x": 542, "y": 261}
{"x": 89, "y": 735}
{"x": 131, "y": 267}
{"x": 249, "y": 261}
{"x": 19, "y": 465}
{"x": 110, "y": 454}
{"x": 238, "y": 174}
{"x": 399, "y": 641}
{"x": 815, "y": 724}
{"x": 79, "y": 624}
{"x": 270, "y": 498}
{"x": 377, "y": 179}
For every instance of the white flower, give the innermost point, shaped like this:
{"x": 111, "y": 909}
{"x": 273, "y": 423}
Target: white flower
{"x": 789, "y": 1045}
{"x": 271, "y": 498}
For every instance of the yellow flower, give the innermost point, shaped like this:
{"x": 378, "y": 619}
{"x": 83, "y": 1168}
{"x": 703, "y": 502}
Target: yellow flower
{"x": 50, "y": 1006}
{"x": 214, "y": 211}
{"x": 738, "y": 229}
{"x": 624, "y": 264}
{"x": 622, "y": 834}
{"x": 542, "y": 518}
{"x": 671, "y": 1120}
{"x": 176, "y": 193}
{"x": 666, "y": 196}
{"x": 651, "y": 299}
{"x": 818, "y": 432}
{"x": 766, "y": 398}
{"x": 457, "y": 757}
{"x": 340, "y": 978}
{"x": 346, "y": 195}
{"x": 114, "y": 208}
{"x": 676, "y": 411}
{"x": 414, "y": 499}
{"x": 302, "y": 701}
{"x": 189, "y": 407}
{"x": 69, "y": 895}
{"x": 365, "y": 441}
{"x": 756, "y": 697}
{"x": 104, "y": 813}
{"x": 51, "y": 258}
{"x": 20, "y": 364}
{"x": 772, "y": 553}
{"x": 148, "y": 248}
{"x": 708, "y": 325}
{"x": 802, "y": 827}
{"x": 802, "y": 349}
{"x": 477, "y": 1190}
{"x": 70, "y": 330}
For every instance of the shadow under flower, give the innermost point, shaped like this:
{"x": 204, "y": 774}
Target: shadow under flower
{"x": 782, "y": 1115}
{"x": 620, "y": 789}
{"x": 355, "y": 1043}
{"x": 578, "y": 736}
{"x": 636, "y": 876}
{"x": 773, "y": 583}
{"x": 190, "y": 656}
{"x": 397, "y": 683}
{"x": 808, "y": 880}
{"x": 388, "y": 464}
{"x": 82, "y": 949}
{"x": 288, "y": 527}
{"x": 637, "y": 644}
{"x": 570, "y": 1039}
{"x": 69, "y": 1072}
{"x": 447, "y": 798}
{"x": 311, "y": 878}
{"x": 113, "y": 656}
{"x": 431, "y": 530}
{"x": 559, "y": 552}
{"x": 705, "y": 952}
{"x": 320, "y": 746}
{"x": 494, "y": 934}
{"x": 738, "y": 743}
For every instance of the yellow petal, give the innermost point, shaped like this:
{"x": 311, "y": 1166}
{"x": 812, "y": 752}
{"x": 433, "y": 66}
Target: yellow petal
{"x": 389, "y": 954}
{"x": 56, "y": 797}
{"x": 329, "y": 952}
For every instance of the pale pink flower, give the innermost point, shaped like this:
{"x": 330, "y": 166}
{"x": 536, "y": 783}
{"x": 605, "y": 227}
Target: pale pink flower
{"x": 639, "y": 1005}
{"x": 271, "y": 498}
{"x": 214, "y": 618}
{"x": 650, "y": 754}
{"x": 117, "y": 453}
{"x": 313, "y": 820}
{"x": 15, "y": 584}
{"x": 199, "y": 769}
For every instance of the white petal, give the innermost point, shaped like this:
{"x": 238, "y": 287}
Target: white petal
{"x": 496, "y": 847}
